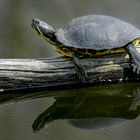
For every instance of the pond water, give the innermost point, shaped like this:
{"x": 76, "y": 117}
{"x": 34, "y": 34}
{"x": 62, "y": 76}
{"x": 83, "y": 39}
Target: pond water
{"x": 100, "y": 113}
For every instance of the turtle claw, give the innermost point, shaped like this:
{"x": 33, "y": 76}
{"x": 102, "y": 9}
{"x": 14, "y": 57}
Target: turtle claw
{"x": 134, "y": 57}
{"x": 136, "y": 67}
{"x": 82, "y": 75}
{"x": 133, "y": 67}
{"x": 81, "y": 72}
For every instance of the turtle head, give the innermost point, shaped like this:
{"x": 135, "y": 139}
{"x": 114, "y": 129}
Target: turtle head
{"x": 44, "y": 30}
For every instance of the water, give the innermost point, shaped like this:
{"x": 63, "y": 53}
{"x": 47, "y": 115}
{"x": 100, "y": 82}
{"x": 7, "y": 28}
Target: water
{"x": 106, "y": 112}
{"x": 100, "y": 113}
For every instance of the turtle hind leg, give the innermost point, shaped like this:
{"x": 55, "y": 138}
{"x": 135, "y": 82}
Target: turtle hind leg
{"x": 134, "y": 57}
{"x": 81, "y": 72}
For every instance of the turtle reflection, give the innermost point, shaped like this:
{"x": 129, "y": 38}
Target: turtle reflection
{"x": 91, "y": 110}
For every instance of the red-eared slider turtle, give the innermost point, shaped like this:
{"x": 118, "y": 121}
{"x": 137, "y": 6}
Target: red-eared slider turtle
{"x": 92, "y": 36}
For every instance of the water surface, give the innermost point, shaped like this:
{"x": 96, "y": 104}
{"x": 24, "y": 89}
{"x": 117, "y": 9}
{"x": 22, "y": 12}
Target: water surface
{"x": 106, "y": 112}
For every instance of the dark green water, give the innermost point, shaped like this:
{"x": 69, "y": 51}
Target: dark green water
{"x": 106, "y": 112}
{"x": 101, "y": 113}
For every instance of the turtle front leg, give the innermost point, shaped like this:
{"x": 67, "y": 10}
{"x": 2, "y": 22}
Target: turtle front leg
{"x": 134, "y": 57}
{"x": 81, "y": 72}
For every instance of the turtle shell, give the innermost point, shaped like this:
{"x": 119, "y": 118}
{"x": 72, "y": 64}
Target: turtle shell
{"x": 97, "y": 32}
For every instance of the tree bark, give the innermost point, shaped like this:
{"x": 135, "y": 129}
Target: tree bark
{"x": 22, "y": 75}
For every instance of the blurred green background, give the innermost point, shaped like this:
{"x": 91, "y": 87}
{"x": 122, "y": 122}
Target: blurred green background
{"x": 17, "y": 38}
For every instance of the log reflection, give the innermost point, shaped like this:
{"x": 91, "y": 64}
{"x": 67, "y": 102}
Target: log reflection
{"x": 91, "y": 109}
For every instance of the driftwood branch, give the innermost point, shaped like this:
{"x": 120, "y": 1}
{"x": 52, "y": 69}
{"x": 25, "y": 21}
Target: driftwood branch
{"x": 20, "y": 75}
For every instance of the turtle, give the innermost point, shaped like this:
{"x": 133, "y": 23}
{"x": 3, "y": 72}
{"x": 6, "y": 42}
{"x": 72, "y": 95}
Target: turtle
{"x": 92, "y": 36}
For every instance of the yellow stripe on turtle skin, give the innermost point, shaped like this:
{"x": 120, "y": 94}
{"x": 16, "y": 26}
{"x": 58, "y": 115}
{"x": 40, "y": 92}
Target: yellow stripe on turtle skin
{"x": 63, "y": 51}
{"x": 38, "y": 31}
{"x": 87, "y": 52}
{"x": 110, "y": 51}
{"x": 136, "y": 41}
{"x": 94, "y": 53}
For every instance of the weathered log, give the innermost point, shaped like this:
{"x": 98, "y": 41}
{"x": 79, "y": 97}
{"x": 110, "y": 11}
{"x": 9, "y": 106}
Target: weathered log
{"x": 22, "y": 75}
